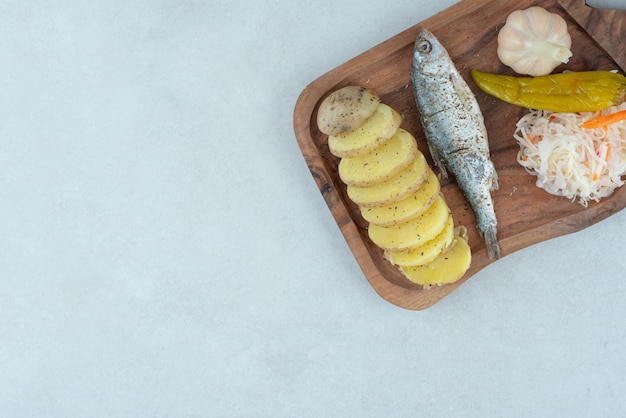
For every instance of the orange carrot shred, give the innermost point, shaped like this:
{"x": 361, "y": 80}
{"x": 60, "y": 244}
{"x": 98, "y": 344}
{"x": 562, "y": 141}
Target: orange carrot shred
{"x": 602, "y": 121}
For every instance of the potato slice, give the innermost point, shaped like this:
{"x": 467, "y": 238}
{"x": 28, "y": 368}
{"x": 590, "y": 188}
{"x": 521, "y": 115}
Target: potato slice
{"x": 408, "y": 208}
{"x": 346, "y": 109}
{"x": 376, "y": 130}
{"x": 448, "y": 267}
{"x": 426, "y": 253}
{"x": 380, "y": 164}
{"x": 415, "y": 232}
{"x": 396, "y": 188}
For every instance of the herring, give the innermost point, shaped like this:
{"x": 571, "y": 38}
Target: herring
{"x": 455, "y": 131}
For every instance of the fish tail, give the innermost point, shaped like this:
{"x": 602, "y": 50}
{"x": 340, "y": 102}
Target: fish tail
{"x": 493, "y": 248}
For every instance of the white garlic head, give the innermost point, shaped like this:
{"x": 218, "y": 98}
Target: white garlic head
{"x": 534, "y": 41}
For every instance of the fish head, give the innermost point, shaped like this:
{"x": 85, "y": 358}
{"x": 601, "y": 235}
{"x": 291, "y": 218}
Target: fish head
{"x": 429, "y": 56}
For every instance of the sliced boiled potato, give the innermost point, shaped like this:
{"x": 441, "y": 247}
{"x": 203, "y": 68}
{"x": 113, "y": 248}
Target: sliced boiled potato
{"x": 415, "y": 232}
{"x": 376, "y": 130}
{"x": 408, "y": 208}
{"x": 380, "y": 164}
{"x": 346, "y": 109}
{"x": 426, "y": 253}
{"x": 448, "y": 267}
{"x": 396, "y": 188}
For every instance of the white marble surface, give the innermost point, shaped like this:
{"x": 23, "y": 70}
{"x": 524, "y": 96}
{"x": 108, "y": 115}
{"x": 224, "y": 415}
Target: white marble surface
{"x": 164, "y": 250}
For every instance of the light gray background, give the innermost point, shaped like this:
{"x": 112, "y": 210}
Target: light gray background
{"x": 164, "y": 250}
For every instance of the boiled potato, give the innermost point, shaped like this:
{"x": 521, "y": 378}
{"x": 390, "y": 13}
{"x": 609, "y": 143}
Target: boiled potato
{"x": 346, "y": 109}
{"x": 396, "y": 188}
{"x": 408, "y": 208}
{"x": 448, "y": 267}
{"x": 396, "y": 191}
{"x": 413, "y": 233}
{"x": 381, "y": 126}
{"x": 382, "y": 163}
{"x": 426, "y": 253}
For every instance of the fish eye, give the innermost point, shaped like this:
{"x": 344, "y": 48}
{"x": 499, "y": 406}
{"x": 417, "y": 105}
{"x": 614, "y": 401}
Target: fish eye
{"x": 424, "y": 47}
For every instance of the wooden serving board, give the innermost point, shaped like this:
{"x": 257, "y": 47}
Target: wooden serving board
{"x": 526, "y": 214}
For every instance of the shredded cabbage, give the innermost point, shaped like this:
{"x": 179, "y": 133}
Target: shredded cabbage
{"x": 569, "y": 160}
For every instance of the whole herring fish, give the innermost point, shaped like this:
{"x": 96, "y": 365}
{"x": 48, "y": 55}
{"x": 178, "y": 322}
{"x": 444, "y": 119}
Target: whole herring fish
{"x": 455, "y": 131}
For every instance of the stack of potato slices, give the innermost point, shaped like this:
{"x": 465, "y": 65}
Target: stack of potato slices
{"x": 396, "y": 191}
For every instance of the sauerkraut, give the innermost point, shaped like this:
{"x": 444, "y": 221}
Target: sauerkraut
{"x": 571, "y": 161}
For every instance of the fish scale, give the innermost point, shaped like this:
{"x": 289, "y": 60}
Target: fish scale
{"x": 455, "y": 131}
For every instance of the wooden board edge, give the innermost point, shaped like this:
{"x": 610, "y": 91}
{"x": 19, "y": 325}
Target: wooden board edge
{"x": 603, "y": 25}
